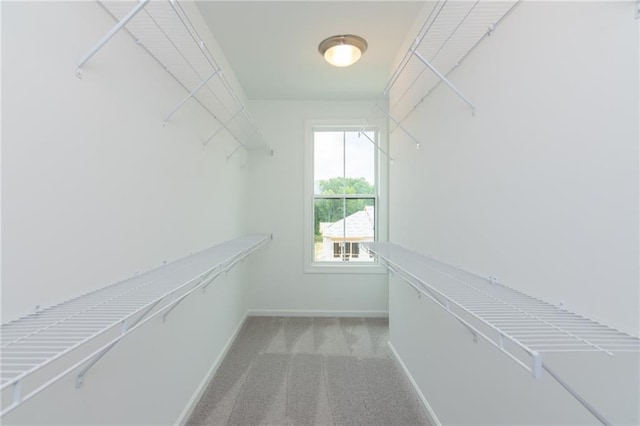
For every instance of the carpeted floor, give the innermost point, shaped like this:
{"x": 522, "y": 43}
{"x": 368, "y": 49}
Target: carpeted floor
{"x": 310, "y": 371}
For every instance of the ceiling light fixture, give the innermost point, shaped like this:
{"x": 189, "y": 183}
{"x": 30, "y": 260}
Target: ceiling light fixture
{"x": 342, "y": 50}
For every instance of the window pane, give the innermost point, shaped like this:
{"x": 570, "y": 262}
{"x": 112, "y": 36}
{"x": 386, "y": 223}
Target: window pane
{"x": 360, "y": 162}
{"x": 328, "y": 219}
{"x": 360, "y": 225}
{"x": 328, "y": 161}
{"x": 344, "y": 170}
{"x": 363, "y": 210}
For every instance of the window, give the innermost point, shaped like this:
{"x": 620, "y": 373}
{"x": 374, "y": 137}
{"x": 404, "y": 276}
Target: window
{"x": 345, "y": 250}
{"x": 343, "y": 196}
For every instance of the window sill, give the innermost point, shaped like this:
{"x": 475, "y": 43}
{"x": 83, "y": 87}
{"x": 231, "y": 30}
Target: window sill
{"x": 340, "y": 268}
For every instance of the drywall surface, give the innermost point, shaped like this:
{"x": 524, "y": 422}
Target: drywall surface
{"x": 151, "y": 376}
{"x": 95, "y": 189}
{"x": 539, "y": 189}
{"x": 276, "y": 200}
{"x": 474, "y": 383}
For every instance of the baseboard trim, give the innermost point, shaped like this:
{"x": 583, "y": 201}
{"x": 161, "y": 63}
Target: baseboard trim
{"x": 305, "y": 313}
{"x": 197, "y": 395}
{"x": 434, "y": 419}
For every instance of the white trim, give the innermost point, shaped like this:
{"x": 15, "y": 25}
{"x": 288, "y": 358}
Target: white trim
{"x": 197, "y": 395}
{"x": 341, "y": 268}
{"x": 312, "y": 313}
{"x": 382, "y": 172}
{"x": 434, "y": 419}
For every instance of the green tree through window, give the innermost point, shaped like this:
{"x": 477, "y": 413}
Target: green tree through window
{"x": 327, "y": 210}
{"x": 344, "y": 193}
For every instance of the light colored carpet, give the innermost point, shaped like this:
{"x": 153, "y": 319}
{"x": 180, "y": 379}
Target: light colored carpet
{"x": 310, "y": 371}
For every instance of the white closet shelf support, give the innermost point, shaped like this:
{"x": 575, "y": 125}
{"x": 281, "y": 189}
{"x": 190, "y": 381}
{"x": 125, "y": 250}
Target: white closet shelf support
{"x": 230, "y": 156}
{"x": 398, "y": 124}
{"x": 362, "y": 133}
{"x": 166, "y": 32}
{"x": 141, "y": 5}
{"x": 445, "y": 80}
{"x": 450, "y": 31}
{"x": 190, "y": 95}
{"x": 522, "y": 327}
{"x": 223, "y": 126}
{"x": 40, "y": 349}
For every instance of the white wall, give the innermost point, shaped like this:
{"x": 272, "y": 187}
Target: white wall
{"x": 94, "y": 189}
{"x": 539, "y": 189}
{"x": 153, "y": 376}
{"x": 276, "y": 200}
{"x": 473, "y": 383}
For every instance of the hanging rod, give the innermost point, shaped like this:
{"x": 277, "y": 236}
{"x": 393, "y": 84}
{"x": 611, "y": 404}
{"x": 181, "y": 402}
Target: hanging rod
{"x": 488, "y": 302}
{"x": 447, "y": 35}
{"x": 149, "y": 295}
{"x": 206, "y": 52}
{"x": 202, "y": 46}
{"x": 426, "y": 26}
{"x": 413, "y": 51}
{"x": 489, "y": 31}
{"x": 193, "y": 31}
{"x": 466, "y": 297}
{"x": 166, "y": 32}
{"x": 434, "y": 56}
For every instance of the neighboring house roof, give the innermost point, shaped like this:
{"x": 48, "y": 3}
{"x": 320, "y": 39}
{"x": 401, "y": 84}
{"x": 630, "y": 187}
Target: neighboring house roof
{"x": 358, "y": 225}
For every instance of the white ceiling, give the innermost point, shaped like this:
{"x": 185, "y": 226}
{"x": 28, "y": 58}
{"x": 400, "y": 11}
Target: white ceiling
{"x": 272, "y": 46}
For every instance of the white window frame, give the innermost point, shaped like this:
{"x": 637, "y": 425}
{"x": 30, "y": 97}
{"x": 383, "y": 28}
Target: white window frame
{"x": 381, "y": 209}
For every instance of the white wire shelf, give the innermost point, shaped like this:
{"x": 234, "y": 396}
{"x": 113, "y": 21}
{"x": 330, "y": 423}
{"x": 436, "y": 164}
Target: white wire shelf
{"x": 521, "y": 326}
{"x": 38, "y": 350}
{"x": 448, "y": 34}
{"x": 166, "y": 32}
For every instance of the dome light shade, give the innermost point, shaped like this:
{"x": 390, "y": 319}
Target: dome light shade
{"x": 342, "y": 50}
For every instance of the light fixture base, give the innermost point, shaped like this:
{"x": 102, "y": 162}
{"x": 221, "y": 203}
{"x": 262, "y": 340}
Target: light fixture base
{"x": 342, "y": 50}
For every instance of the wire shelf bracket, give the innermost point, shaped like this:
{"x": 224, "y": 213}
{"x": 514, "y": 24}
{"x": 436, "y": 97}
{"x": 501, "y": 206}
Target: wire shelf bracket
{"x": 520, "y": 326}
{"x": 166, "y": 32}
{"x": 378, "y": 147}
{"x": 230, "y": 156}
{"x": 100, "y": 44}
{"x": 513, "y": 316}
{"x": 449, "y": 32}
{"x": 445, "y": 80}
{"x": 189, "y": 96}
{"x": 40, "y": 349}
{"x": 223, "y": 126}
{"x": 398, "y": 124}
